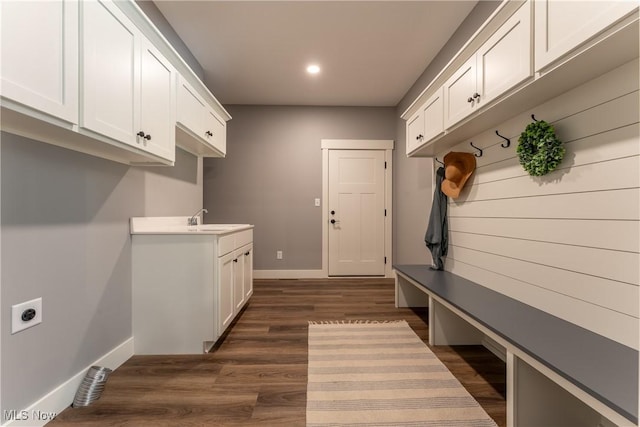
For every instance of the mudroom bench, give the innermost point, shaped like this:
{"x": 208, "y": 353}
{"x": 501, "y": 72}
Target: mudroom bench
{"x": 558, "y": 374}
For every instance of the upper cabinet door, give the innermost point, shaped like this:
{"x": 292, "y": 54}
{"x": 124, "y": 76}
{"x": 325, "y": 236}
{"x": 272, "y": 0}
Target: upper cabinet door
{"x": 39, "y": 56}
{"x": 415, "y": 131}
{"x": 110, "y": 77}
{"x": 157, "y": 103}
{"x": 217, "y": 131}
{"x": 505, "y": 59}
{"x": 191, "y": 109}
{"x": 460, "y": 95}
{"x": 432, "y": 113}
{"x": 561, "y": 26}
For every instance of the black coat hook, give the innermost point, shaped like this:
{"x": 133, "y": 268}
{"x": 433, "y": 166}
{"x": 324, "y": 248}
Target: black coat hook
{"x": 439, "y": 161}
{"x": 534, "y": 118}
{"x": 479, "y": 149}
{"x": 506, "y": 139}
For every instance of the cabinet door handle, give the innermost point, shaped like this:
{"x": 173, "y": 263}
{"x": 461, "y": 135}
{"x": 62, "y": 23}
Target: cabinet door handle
{"x": 469, "y": 99}
{"x": 476, "y": 95}
{"x": 420, "y": 136}
{"x": 147, "y": 137}
{"x": 247, "y": 253}
{"x": 140, "y": 134}
{"x": 208, "y": 133}
{"x": 235, "y": 260}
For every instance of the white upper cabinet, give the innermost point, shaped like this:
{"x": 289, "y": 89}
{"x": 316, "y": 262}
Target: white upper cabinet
{"x": 460, "y": 93}
{"x": 128, "y": 86}
{"x": 39, "y": 56}
{"x": 515, "y": 62}
{"x": 157, "y": 103}
{"x": 216, "y": 133}
{"x": 427, "y": 123}
{"x": 201, "y": 130}
{"x": 432, "y": 113}
{"x": 561, "y": 26}
{"x": 415, "y": 131}
{"x": 502, "y": 62}
{"x": 96, "y": 76}
{"x": 111, "y": 70}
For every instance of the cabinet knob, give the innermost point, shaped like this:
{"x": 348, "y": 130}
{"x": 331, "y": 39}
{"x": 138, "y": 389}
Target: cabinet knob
{"x": 208, "y": 133}
{"x": 235, "y": 260}
{"x": 420, "y": 136}
{"x": 140, "y": 134}
{"x": 476, "y": 95}
{"x": 247, "y": 253}
{"x": 147, "y": 137}
{"x": 469, "y": 99}
{"x": 333, "y": 212}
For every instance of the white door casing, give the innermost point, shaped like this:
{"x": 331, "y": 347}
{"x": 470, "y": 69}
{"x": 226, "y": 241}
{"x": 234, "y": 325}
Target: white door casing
{"x": 357, "y": 187}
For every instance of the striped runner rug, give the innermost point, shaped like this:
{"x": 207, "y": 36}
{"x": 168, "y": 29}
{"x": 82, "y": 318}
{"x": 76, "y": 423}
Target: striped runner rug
{"x": 382, "y": 374}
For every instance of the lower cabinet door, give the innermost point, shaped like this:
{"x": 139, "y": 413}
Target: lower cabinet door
{"x": 248, "y": 272}
{"x": 238, "y": 280}
{"x": 225, "y": 291}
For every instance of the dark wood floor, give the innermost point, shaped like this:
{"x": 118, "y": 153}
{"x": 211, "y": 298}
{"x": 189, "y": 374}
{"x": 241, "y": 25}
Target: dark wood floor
{"x": 257, "y": 375}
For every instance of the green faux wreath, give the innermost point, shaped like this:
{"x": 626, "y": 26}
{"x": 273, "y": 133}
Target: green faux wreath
{"x": 539, "y": 150}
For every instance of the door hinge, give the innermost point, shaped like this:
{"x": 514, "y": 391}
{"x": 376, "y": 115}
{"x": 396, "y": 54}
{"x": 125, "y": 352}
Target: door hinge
{"x": 385, "y": 260}
{"x": 385, "y": 212}
{"x": 385, "y": 165}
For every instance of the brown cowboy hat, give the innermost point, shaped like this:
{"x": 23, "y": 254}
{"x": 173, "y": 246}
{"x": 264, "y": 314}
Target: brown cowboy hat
{"x": 458, "y": 167}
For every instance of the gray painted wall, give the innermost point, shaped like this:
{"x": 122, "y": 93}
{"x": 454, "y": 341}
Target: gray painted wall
{"x": 273, "y": 173}
{"x": 65, "y": 238}
{"x": 413, "y": 178}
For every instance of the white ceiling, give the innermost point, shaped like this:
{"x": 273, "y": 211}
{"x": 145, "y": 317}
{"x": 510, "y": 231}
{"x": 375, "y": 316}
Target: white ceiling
{"x": 370, "y": 52}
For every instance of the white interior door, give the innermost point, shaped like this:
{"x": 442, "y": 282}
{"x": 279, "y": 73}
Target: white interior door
{"x": 356, "y": 212}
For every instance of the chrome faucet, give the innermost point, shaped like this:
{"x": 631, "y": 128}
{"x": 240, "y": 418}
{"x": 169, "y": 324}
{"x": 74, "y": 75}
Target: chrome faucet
{"x": 194, "y": 220}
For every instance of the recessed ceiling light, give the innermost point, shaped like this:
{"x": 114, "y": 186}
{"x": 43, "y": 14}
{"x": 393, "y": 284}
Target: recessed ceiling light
{"x": 313, "y": 69}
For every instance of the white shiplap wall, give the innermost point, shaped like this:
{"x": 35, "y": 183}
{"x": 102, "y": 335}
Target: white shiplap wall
{"x": 566, "y": 243}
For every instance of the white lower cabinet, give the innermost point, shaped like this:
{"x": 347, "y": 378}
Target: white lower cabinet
{"x": 235, "y": 277}
{"x": 188, "y": 289}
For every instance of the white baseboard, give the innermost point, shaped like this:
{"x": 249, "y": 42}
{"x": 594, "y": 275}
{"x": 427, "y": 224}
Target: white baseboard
{"x": 57, "y": 400}
{"x": 289, "y": 274}
{"x": 307, "y": 274}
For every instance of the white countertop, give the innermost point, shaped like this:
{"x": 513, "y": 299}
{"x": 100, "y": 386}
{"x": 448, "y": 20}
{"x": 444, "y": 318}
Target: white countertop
{"x": 178, "y": 225}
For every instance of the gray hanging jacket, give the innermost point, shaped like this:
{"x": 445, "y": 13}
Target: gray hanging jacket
{"x": 437, "y": 236}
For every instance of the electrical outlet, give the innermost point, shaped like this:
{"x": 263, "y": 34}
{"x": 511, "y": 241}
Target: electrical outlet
{"x": 26, "y": 315}
{"x": 278, "y": 254}
{"x": 317, "y": 202}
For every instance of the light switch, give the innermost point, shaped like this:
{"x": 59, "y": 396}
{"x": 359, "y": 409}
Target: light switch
{"x": 317, "y": 202}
